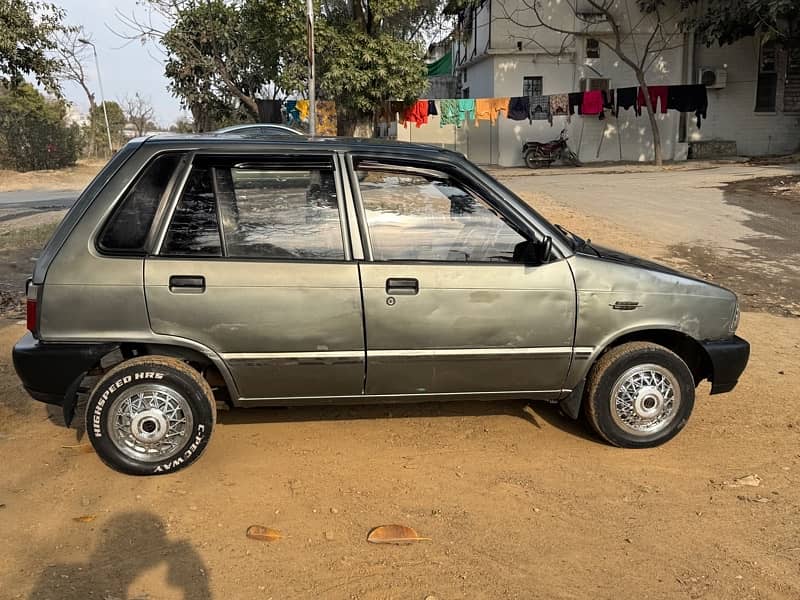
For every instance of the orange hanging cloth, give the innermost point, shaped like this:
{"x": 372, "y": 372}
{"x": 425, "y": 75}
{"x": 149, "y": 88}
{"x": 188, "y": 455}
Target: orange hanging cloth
{"x": 487, "y": 109}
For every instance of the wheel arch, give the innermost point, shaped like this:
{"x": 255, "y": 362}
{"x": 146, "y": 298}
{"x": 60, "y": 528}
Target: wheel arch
{"x": 689, "y": 350}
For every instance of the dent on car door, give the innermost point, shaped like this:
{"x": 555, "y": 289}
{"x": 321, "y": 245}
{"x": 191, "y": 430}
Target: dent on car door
{"x": 449, "y": 308}
{"x": 255, "y": 266}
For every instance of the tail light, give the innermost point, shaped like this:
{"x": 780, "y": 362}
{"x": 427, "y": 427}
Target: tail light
{"x": 31, "y": 306}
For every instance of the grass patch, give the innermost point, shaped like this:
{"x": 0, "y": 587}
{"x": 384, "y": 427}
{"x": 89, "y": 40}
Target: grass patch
{"x": 34, "y": 237}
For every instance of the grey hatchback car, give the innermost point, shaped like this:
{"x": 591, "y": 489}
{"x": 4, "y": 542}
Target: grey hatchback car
{"x": 195, "y": 270}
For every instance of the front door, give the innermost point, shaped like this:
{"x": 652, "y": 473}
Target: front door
{"x": 254, "y": 265}
{"x": 448, "y": 308}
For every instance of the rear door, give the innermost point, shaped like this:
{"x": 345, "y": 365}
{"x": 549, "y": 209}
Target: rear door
{"x": 255, "y": 264}
{"x": 448, "y": 307}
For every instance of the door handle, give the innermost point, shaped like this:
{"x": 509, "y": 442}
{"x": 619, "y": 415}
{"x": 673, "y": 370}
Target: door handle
{"x": 399, "y": 286}
{"x": 187, "y": 284}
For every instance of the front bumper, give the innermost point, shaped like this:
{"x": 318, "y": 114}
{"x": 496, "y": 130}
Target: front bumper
{"x": 728, "y": 361}
{"x": 52, "y": 371}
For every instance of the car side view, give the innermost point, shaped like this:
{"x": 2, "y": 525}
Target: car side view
{"x": 256, "y": 272}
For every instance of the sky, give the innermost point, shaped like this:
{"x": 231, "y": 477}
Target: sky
{"x": 125, "y": 69}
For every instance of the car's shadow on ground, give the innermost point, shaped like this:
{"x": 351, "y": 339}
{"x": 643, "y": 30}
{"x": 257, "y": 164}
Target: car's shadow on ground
{"x": 534, "y": 413}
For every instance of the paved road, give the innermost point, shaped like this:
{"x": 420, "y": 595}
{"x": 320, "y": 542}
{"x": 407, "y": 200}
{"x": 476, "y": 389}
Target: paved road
{"x": 37, "y": 199}
{"x": 723, "y": 220}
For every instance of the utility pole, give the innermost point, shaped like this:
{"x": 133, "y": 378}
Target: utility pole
{"x": 100, "y": 85}
{"x": 312, "y": 95}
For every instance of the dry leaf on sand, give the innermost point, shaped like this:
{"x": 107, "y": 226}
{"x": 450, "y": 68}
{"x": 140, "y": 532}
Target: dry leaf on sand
{"x": 84, "y": 518}
{"x": 263, "y": 534}
{"x": 394, "y": 534}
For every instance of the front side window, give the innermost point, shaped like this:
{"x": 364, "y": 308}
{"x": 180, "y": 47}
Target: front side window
{"x": 424, "y": 217}
{"x": 279, "y": 212}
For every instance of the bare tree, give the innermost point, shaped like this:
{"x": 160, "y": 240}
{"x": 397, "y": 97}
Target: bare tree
{"x": 139, "y": 111}
{"x": 641, "y": 32}
{"x": 74, "y": 56}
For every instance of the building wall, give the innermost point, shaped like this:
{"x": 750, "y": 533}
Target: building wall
{"x": 731, "y": 114}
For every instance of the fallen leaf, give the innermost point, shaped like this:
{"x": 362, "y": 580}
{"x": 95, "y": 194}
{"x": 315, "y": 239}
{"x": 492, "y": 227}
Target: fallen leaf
{"x": 746, "y": 481}
{"x": 84, "y": 518}
{"x": 394, "y": 534}
{"x": 263, "y": 534}
{"x": 80, "y": 448}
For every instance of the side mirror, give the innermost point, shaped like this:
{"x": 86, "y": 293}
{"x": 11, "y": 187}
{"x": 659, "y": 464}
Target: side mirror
{"x": 535, "y": 252}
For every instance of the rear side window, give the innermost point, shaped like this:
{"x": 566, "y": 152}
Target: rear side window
{"x": 126, "y": 231}
{"x": 262, "y": 211}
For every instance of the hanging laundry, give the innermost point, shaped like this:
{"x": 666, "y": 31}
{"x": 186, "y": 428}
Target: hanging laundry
{"x": 689, "y": 98}
{"x": 432, "y": 108}
{"x": 292, "y": 114}
{"x": 302, "y": 109}
{"x": 592, "y": 103}
{"x": 417, "y": 113}
{"x": 488, "y": 109}
{"x": 575, "y": 99}
{"x": 519, "y": 108}
{"x": 448, "y": 112}
{"x": 466, "y": 109}
{"x": 540, "y": 108}
{"x": 326, "y": 117}
{"x": 608, "y": 99}
{"x": 626, "y": 98}
{"x": 656, "y": 93}
{"x": 559, "y": 105}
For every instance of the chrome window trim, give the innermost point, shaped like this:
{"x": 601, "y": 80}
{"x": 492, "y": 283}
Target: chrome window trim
{"x": 174, "y": 198}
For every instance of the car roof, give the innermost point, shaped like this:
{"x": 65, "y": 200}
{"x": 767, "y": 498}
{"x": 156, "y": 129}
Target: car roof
{"x": 233, "y": 143}
{"x": 233, "y": 129}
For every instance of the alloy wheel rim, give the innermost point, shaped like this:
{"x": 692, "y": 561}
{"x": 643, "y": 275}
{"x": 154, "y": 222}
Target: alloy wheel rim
{"x": 150, "y": 423}
{"x": 645, "y": 400}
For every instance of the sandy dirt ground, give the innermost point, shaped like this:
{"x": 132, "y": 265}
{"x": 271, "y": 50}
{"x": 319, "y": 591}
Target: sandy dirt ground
{"x": 72, "y": 178}
{"x": 519, "y": 501}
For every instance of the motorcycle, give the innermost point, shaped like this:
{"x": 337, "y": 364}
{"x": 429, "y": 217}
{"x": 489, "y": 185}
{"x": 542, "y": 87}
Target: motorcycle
{"x": 543, "y": 154}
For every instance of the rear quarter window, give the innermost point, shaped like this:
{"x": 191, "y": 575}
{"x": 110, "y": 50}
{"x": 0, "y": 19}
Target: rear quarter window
{"x": 126, "y": 230}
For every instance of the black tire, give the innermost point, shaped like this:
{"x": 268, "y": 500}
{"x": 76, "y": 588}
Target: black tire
{"x": 619, "y": 422}
{"x": 166, "y": 391}
{"x": 534, "y": 160}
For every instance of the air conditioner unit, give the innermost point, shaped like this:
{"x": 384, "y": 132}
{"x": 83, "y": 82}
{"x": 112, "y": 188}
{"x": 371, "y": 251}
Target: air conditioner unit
{"x": 714, "y": 79}
{"x": 587, "y": 84}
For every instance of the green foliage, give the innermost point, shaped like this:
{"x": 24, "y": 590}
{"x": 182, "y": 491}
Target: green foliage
{"x": 727, "y": 21}
{"x": 96, "y": 131}
{"x": 360, "y": 71}
{"x": 224, "y": 56}
{"x": 27, "y": 30}
{"x": 33, "y": 131}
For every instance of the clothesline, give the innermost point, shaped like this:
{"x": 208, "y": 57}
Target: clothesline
{"x": 540, "y": 107}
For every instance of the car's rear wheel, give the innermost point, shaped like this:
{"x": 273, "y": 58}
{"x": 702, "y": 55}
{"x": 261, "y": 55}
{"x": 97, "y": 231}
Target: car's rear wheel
{"x": 150, "y": 415}
{"x": 639, "y": 395}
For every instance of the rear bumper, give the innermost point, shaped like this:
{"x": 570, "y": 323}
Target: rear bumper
{"x": 52, "y": 371}
{"x": 728, "y": 361}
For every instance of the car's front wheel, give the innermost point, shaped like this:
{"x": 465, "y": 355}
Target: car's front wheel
{"x": 150, "y": 415}
{"x": 639, "y": 395}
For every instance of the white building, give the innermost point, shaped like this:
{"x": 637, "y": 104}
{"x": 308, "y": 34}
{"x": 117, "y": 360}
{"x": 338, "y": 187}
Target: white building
{"x": 754, "y": 101}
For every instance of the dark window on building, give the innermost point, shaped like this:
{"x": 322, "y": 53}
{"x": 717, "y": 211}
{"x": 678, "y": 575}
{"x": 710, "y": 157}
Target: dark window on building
{"x": 791, "y": 89}
{"x": 465, "y": 92}
{"x": 532, "y": 86}
{"x": 126, "y": 231}
{"x": 592, "y": 48}
{"x": 767, "y": 88}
